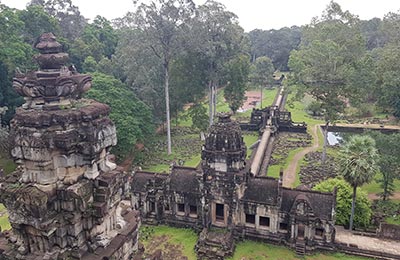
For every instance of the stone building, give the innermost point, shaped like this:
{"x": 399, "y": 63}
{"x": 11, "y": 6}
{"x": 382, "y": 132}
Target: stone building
{"x": 225, "y": 202}
{"x": 66, "y": 200}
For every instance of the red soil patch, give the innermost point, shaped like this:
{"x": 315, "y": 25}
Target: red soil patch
{"x": 253, "y": 98}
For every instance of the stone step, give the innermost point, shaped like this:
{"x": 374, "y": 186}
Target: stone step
{"x": 300, "y": 249}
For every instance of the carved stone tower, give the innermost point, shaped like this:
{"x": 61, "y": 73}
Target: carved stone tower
{"x": 224, "y": 149}
{"x": 66, "y": 198}
{"x": 223, "y": 155}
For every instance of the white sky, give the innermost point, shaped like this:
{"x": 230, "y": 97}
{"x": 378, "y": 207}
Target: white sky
{"x": 253, "y": 14}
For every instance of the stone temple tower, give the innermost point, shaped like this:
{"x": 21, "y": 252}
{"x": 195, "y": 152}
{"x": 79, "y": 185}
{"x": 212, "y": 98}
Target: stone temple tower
{"x": 224, "y": 149}
{"x": 223, "y": 162}
{"x": 66, "y": 200}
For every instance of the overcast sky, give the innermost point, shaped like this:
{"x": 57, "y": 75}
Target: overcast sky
{"x": 253, "y": 14}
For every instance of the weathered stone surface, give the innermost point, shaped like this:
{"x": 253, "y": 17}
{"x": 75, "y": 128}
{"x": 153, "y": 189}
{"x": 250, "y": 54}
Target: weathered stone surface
{"x": 65, "y": 198}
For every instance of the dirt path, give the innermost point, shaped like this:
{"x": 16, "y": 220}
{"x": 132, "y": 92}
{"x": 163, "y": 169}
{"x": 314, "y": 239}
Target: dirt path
{"x": 289, "y": 174}
{"x": 368, "y": 243}
{"x": 374, "y": 196}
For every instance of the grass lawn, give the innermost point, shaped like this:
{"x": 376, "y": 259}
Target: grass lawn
{"x": 7, "y": 164}
{"x": 4, "y": 223}
{"x": 165, "y": 236}
{"x": 249, "y": 139}
{"x": 374, "y": 186}
{"x": 251, "y": 250}
{"x": 169, "y": 238}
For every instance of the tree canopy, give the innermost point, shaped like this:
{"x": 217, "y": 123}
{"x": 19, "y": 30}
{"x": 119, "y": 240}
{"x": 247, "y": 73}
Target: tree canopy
{"x": 363, "y": 212}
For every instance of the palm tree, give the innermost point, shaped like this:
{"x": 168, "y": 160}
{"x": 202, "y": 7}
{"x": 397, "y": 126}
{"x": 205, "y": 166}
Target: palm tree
{"x": 358, "y": 164}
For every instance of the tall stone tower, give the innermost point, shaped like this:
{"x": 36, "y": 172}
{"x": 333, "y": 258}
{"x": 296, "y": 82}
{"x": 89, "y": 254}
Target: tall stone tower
{"x": 66, "y": 200}
{"x": 223, "y": 162}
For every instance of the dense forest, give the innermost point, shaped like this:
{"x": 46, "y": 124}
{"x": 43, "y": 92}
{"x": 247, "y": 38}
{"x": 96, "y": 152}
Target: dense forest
{"x": 179, "y": 52}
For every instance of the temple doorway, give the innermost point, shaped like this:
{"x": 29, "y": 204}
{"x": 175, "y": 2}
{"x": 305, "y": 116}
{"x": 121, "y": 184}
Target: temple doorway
{"x": 219, "y": 214}
{"x": 300, "y": 231}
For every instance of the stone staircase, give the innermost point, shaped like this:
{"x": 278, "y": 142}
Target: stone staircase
{"x": 300, "y": 248}
{"x": 215, "y": 244}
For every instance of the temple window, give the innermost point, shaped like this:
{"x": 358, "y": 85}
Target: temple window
{"x": 181, "y": 208}
{"x": 283, "y": 226}
{"x": 219, "y": 212}
{"x": 319, "y": 232}
{"x": 250, "y": 219}
{"x": 193, "y": 211}
{"x": 152, "y": 207}
{"x": 264, "y": 221}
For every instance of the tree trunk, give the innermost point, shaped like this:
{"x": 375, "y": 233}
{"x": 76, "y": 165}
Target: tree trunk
{"x": 353, "y": 206}
{"x": 166, "y": 71}
{"x": 210, "y": 102}
{"x": 215, "y": 100}
{"x": 323, "y": 158}
{"x": 261, "y": 86}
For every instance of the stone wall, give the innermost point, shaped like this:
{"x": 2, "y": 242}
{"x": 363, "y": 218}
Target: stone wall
{"x": 389, "y": 231}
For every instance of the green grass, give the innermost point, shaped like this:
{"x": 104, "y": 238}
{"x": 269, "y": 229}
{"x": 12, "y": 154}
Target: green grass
{"x": 246, "y": 250}
{"x": 187, "y": 238}
{"x": 250, "y": 250}
{"x": 7, "y": 164}
{"x": 374, "y": 186}
{"x": 4, "y": 223}
{"x": 249, "y": 139}
{"x": 393, "y": 220}
{"x": 273, "y": 170}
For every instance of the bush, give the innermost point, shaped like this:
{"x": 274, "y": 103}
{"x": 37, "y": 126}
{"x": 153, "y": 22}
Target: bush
{"x": 363, "y": 212}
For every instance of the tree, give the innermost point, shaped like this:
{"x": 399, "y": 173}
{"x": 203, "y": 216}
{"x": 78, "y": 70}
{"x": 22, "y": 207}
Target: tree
{"x": 262, "y": 73}
{"x": 198, "y": 113}
{"x": 275, "y": 44}
{"x": 325, "y": 66}
{"x": 68, "y": 15}
{"x": 363, "y": 212}
{"x": 163, "y": 24}
{"x": 89, "y": 65}
{"x": 388, "y": 146}
{"x": 217, "y": 35}
{"x": 388, "y": 81}
{"x": 358, "y": 164}
{"x": 236, "y": 78}
{"x": 37, "y": 21}
{"x": 132, "y": 117}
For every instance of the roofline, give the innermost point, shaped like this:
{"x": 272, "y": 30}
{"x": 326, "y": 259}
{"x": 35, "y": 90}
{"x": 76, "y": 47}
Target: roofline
{"x": 309, "y": 191}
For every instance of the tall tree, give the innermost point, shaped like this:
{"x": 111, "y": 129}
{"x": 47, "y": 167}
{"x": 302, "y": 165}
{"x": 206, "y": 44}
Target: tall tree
{"x": 37, "y": 21}
{"x": 388, "y": 146}
{"x": 363, "y": 212}
{"x": 219, "y": 38}
{"x": 275, "y": 44}
{"x": 70, "y": 19}
{"x": 262, "y": 73}
{"x": 164, "y": 23}
{"x": 358, "y": 164}
{"x": 236, "y": 77}
{"x": 132, "y": 117}
{"x": 327, "y": 62}
{"x": 388, "y": 81}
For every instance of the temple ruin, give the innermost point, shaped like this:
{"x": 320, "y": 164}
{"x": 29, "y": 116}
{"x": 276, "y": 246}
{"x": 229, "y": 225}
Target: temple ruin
{"x": 66, "y": 200}
{"x": 226, "y": 201}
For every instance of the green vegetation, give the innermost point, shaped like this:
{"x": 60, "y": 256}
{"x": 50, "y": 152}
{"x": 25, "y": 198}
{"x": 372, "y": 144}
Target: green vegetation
{"x": 363, "y": 210}
{"x": 166, "y": 236}
{"x": 186, "y": 148}
{"x": 251, "y": 250}
{"x": 132, "y": 117}
{"x": 7, "y": 165}
{"x": 390, "y": 209}
{"x": 4, "y": 223}
{"x": 249, "y": 139}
